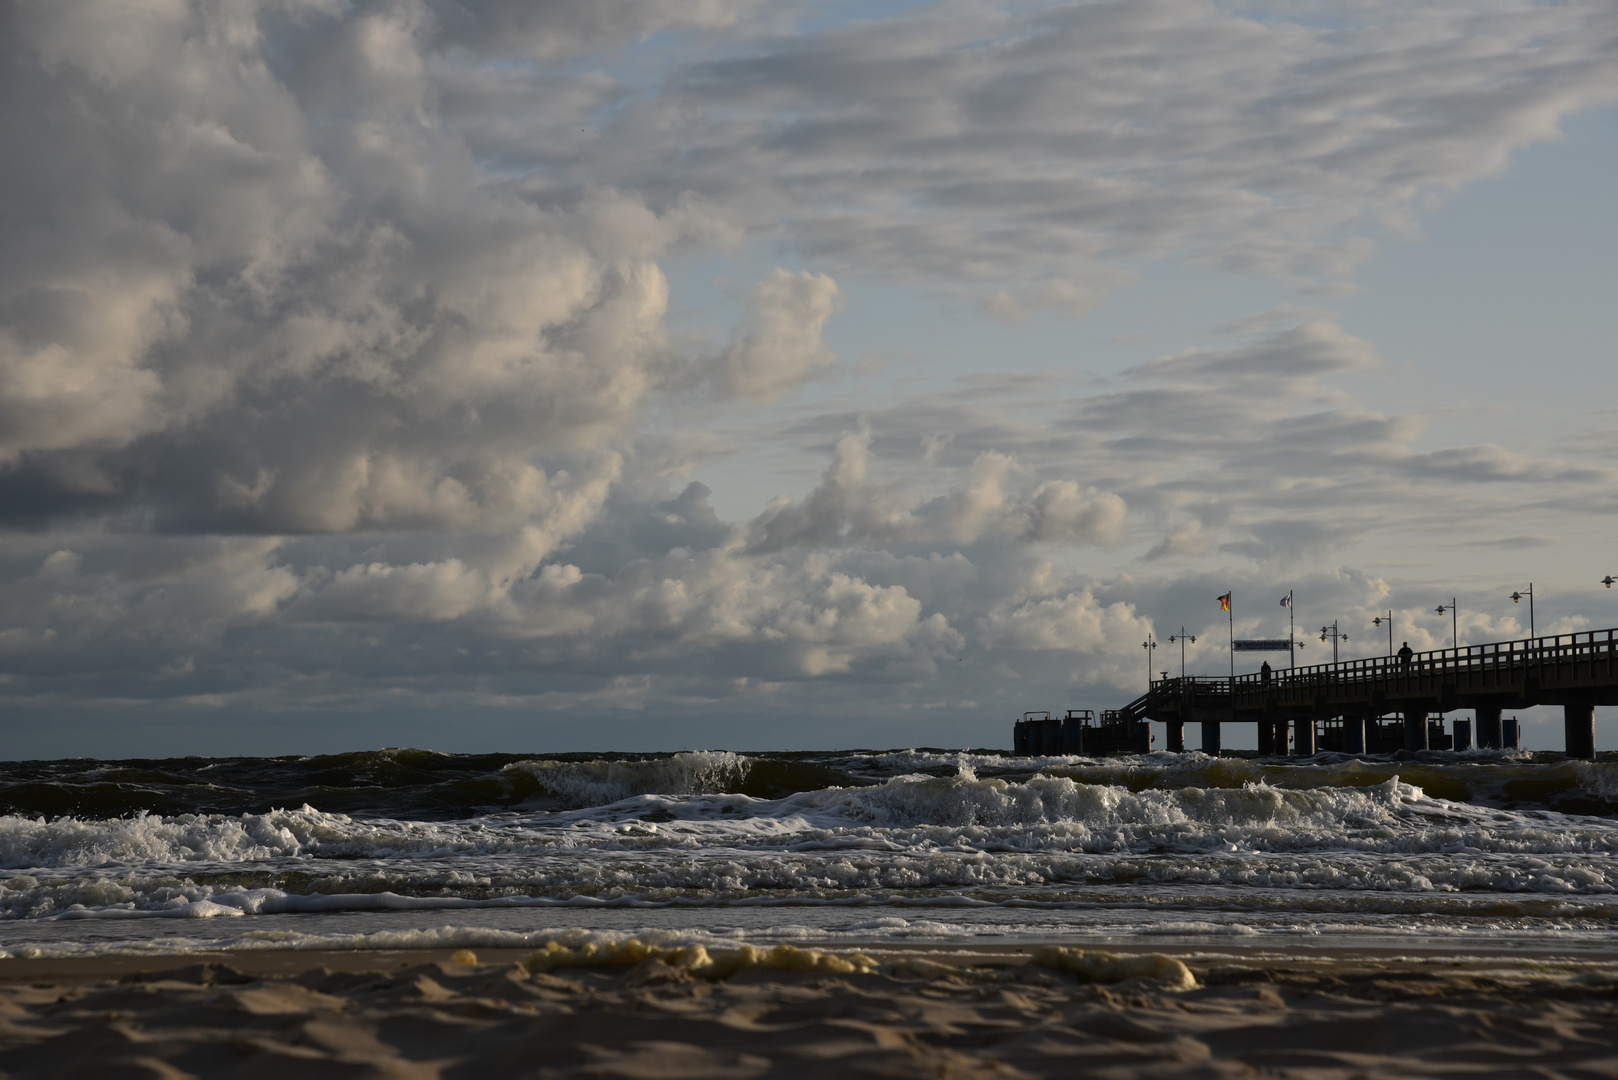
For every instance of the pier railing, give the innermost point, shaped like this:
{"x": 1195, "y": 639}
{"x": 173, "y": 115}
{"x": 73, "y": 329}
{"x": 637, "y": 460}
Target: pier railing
{"x": 1588, "y": 659}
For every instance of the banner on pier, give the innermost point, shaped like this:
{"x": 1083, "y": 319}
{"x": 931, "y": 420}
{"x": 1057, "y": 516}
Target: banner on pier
{"x": 1262, "y": 645}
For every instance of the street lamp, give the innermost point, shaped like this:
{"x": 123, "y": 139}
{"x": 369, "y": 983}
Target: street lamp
{"x": 1516, "y": 597}
{"x": 1182, "y": 639}
{"x": 1331, "y": 632}
{"x": 1149, "y": 644}
{"x": 1388, "y": 618}
{"x": 1608, "y": 580}
{"x": 1454, "y": 621}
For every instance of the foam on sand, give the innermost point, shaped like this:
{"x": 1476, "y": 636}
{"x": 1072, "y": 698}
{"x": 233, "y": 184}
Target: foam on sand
{"x": 696, "y": 959}
{"x": 699, "y": 961}
{"x": 1105, "y": 967}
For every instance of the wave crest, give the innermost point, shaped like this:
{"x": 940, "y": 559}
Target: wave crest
{"x": 579, "y": 784}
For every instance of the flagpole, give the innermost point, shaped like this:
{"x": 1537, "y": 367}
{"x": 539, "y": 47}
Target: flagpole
{"x": 1292, "y": 632}
{"x": 1230, "y": 610}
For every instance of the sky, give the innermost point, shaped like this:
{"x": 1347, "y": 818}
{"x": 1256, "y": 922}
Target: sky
{"x": 619, "y": 375}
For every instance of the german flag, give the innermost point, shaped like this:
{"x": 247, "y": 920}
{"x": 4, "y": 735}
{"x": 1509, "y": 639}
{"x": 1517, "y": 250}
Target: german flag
{"x": 1224, "y": 602}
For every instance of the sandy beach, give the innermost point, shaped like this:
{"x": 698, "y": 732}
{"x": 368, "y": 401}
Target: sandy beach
{"x": 788, "y": 1012}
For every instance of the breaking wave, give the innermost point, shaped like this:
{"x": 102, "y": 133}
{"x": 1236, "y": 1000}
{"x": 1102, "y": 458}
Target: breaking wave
{"x": 1479, "y": 837}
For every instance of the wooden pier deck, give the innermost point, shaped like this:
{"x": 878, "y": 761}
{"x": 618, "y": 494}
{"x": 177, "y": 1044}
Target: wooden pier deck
{"x": 1575, "y": 671}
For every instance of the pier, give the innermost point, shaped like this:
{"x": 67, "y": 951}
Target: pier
{"x": 1353, "y": 699}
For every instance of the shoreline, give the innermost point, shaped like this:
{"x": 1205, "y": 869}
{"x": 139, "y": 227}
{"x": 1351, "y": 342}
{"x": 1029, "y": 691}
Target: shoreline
{"x": 279, "y": 961}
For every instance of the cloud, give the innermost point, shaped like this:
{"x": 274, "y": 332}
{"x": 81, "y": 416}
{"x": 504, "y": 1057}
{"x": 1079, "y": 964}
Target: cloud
{"x": 1295, "y": 355}
{"x": 1488, "y": 462}
{"x": 1072, "y": 623}
{"x": 847, "y": 508}
{"x": 1187, "y": 538}
{"x": 1062, "y": 512}
{"x": 339, "y": 365}
{"x": 1031, "y": 155}
{"x": 781, "y": 348}
{"x": 566, "y": 28}
{"x": 1259, "y": 450}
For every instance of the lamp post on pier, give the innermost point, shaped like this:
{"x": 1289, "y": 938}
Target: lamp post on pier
{"x": 1182, "y": 638}
{"x": 1388, "y": 618}
{"x": 1516, "y": 597}
{"x": 1330, "y": 632}
{"x": 1608, "y": 580}
{"x": 1454, "y": 620}
{"x": 1149, "y": 645}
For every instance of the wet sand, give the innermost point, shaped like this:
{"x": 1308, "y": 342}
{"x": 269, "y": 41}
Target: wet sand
{"x": 915, "y": 1012}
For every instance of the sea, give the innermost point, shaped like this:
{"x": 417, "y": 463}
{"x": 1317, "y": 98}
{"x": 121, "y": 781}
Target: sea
{"x": 403, "y": 848}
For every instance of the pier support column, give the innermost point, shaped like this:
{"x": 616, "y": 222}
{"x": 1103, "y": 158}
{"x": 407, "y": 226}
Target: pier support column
{"x": 1266, "y": 737}
{"x": 1353, "y": 734}
{"x": 1210, "y": 738}
{"x": 1303, "y": 736}
{"x": 1579, "y": 721}
{"x": 1416, "y": 729}
{"x": 1050, "y": 741}
{"x": 1488, "y": 728}
{"x": 1174, "y": 736}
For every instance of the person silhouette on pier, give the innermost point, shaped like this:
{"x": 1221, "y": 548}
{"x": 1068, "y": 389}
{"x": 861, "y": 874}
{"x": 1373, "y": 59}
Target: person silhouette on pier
{"x": 1264, "y": 675}
{"x": 1405, "y": 653}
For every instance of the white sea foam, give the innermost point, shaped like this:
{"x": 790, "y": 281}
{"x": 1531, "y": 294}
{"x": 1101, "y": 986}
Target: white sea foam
{"x": 152, "y": 838}
{"x": 907, "y": 813}
{"x": 915, "y": 839}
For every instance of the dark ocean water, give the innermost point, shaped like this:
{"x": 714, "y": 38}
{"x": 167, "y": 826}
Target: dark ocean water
{"x": 385, "y": 847}
{"x": 416, "y": 784}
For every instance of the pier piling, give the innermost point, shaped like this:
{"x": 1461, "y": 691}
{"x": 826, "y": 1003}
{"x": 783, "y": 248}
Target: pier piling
{"x": 1488, "y": 727}
{"x": 1416, "y": 728}
{"x": 1051, "y": 736}
{"x": 1579, "y": 724}
{"x": 1174, "y": 736}
{"x": 1303, "y": 736}
{"x": 1353, "y": 734}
